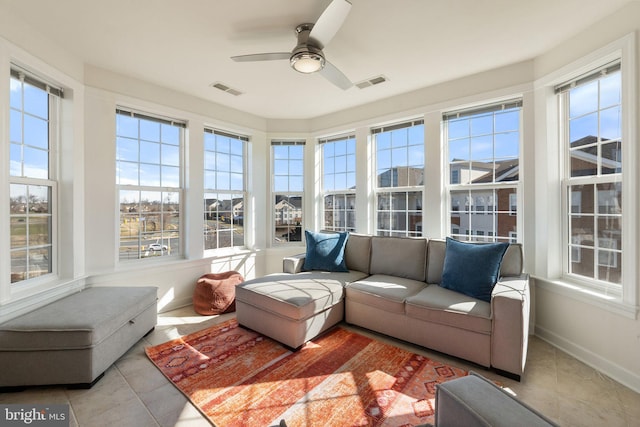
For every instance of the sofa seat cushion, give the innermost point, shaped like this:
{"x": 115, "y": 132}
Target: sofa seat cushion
{"x": 384, "y": 292}
{"x": 296, "y": 296}
{"x": 439, "y": 305}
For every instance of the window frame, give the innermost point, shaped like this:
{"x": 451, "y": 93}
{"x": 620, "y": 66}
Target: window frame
{"x": 234, "y": 222}
{"x": 167, "y": 251}
{"x": 344, "y": 193}
{"x": 476, "y": 190}
{"x": 384, "y": 196}
{"x": 288, "y": 194}
{"x": 54, "y": 96}
{"x": 550, "y": 252}
{"x": 570, "y": 251}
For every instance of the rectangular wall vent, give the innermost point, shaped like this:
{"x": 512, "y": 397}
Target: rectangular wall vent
{"x": 371, "y": 82}
{"x": 226, "y": 88}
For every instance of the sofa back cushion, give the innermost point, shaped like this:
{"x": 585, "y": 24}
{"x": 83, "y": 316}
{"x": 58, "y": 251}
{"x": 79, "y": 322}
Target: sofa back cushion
{"x": 512, "y": 262}
{"x": 357, "y": 253}
{"x": 399, "y": 256}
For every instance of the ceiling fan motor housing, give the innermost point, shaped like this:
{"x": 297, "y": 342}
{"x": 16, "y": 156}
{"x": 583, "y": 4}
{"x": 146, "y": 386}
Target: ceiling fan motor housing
{"x": 305, "y": 57}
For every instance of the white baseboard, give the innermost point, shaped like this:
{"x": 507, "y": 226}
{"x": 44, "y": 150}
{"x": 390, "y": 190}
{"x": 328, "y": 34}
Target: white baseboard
{"x": 612, "y": 370}
{"x": 175, "y": 304}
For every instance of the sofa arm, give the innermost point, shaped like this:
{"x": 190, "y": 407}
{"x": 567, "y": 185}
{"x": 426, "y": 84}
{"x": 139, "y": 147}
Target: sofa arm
{"x": 293, "y": 264}
{"x": 510, "y": 308}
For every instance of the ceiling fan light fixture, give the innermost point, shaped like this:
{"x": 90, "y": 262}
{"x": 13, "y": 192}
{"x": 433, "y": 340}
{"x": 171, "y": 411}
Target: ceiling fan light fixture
{"x": 307, "y": 62}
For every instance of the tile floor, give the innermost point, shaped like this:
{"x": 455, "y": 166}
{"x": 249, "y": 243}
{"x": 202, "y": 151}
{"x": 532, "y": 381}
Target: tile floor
{"x": 133, "y": 392}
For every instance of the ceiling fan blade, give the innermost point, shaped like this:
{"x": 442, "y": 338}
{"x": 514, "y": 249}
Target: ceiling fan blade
{"x": 335, "y": 76}
{"x": 273, "y": 56}
{"x": 329, "y": 22}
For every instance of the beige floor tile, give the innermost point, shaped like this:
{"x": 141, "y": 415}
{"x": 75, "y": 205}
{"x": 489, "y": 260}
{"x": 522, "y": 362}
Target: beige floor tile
{"x": 544, "y": 401}
{"x": 141, "y": 375}
{"x": 630, "y": 403}
{"x": 135, "y": 393}
{"x": 36, "y": 395}
{"x": 168, "y": 405}
{"x": 578, "y": 413}
{"x": 110, "y": 402}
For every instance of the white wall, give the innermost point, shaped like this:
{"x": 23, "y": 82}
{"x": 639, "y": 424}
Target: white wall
{"x": 175, "y": 279}
{"x": 592, "y": 332}
{"x": 601, "y": 335}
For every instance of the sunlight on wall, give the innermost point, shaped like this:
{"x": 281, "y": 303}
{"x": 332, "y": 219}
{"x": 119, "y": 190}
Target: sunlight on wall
{"x": 166, "y": 299}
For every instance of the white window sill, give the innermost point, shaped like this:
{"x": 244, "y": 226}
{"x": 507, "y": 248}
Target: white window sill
{"x": 611, "y": 303}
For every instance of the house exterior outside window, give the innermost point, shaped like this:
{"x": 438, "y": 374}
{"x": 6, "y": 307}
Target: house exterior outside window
{"x": 33, "y": 130}
{"x": 224, "y": 189}
{"x": 339, "y": 183}
{"x": 591, "y": 118}
{"x": 149, "y": 182}
{"x": 287, "y": 190}
{"x": 483, "y": 147}
{"x": 399, "y": 158}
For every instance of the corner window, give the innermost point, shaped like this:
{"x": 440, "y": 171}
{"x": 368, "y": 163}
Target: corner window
{"x": 287, "y": 189}
{"x": 148, "y": 176}
{"x": 591, "y": 117}
{"x": 224, "y": 189}
{"x": 483, "y": 146}
{"x": 400, "y": 178}
{"x": 33, "y": 130}
{"x": 339, "y": 182}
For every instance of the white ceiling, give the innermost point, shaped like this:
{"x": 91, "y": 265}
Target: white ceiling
{"x": 187, "y": 45}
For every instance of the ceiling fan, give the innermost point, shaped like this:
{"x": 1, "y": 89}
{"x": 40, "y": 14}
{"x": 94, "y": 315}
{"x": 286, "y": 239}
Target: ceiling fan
{"x": 307, "y": 56}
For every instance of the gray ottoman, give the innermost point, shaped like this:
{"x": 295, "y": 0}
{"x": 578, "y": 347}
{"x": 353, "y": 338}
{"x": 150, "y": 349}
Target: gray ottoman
{"x": 75, "y": 339}
{"x": 293, "y": 308}
{"x": 475, "y": 401}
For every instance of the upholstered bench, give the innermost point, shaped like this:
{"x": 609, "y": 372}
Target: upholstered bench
{"x": 475, "y": 401}
{"x": 75, "y": 339}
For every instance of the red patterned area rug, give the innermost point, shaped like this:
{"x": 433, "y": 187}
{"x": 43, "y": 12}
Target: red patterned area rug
{"x": 238, "y": 377}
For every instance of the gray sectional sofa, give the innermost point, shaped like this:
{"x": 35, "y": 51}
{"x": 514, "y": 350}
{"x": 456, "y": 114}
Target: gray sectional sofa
{"x": 393, "y": 287}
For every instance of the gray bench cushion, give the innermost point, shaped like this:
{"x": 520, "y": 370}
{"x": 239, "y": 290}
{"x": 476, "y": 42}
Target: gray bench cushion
{"x": 298, "y": 296}
{"x": 440, "y": 305}
{"x": 385, "y": 292}
{"x": 81, "y": 320}
{"x": 75, "y": 339}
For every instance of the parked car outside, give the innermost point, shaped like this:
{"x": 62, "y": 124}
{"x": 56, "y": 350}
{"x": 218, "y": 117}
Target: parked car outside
{"x": 157, "y": 247}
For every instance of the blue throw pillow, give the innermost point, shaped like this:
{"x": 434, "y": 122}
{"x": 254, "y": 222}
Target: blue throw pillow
{"x": 472, "y": 268}
{"x": 325, "y": 251}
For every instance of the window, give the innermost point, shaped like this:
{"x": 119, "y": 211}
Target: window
{"x": 148, "y": 176}
{"x": 33, "y": 129}
{"x": 400, "y": 178}
{"x": 288, "y": 187}
{"x": 339, "y": 183}
{"x": 483, "y": 145}
{"x": 591, "y": 114}
{"x": 224, "y": 189}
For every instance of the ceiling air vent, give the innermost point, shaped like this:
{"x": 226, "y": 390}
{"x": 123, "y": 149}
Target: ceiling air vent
{"x": 371, "y": 82}
{"x": 226, "y": 88}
